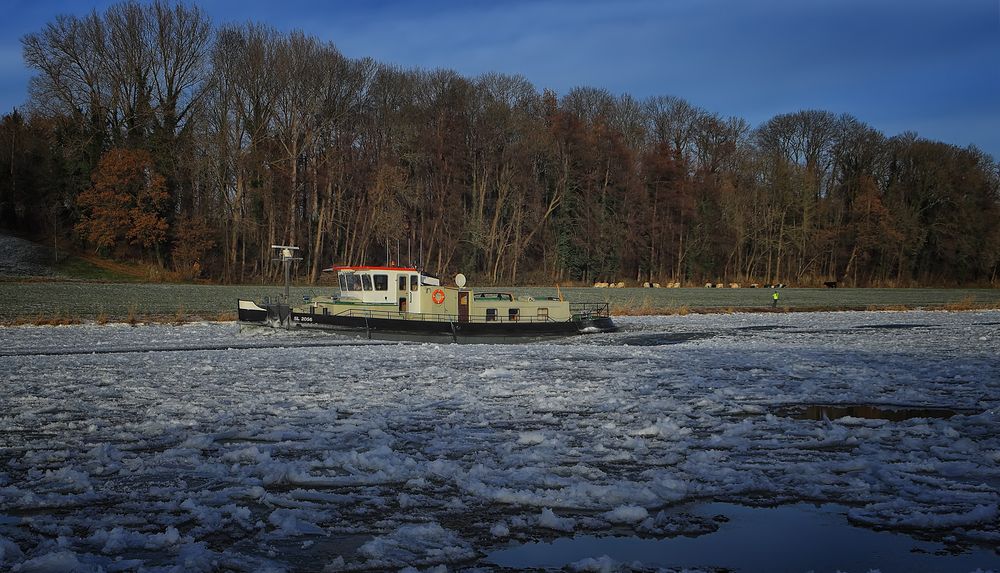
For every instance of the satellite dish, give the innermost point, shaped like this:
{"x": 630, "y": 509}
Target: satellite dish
{"x": 460, "y": 280}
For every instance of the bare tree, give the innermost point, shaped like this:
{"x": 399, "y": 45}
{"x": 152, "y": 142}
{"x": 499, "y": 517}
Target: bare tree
{"x": 72, "y": 81}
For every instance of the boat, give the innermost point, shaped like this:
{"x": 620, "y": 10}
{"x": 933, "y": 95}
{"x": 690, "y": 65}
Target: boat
{"x": 404, "y": 303}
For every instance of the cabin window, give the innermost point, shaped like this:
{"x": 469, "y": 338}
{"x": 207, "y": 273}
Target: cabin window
{"x": 543, "y": 313}
{"x": 402, "y": 282}
{"x": 381, "y": 282}
{"x": 353, "y": 282}
{"x": 512, "y": 314}
{"x": 366, "y": 281}
{"x": 491, "y": 314}
{"x": 414, "y": 282}
{"x": 326, "y": 311}
{"x": 343, "y": 282}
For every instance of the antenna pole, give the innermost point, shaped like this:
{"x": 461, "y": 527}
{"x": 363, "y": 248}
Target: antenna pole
{"x": 288, "y": 278}
{"x": 286, "y": 255}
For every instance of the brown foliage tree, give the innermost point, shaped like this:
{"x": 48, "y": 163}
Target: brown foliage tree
{"x": 193, "y": 240}
{"x": 125, "y": 203}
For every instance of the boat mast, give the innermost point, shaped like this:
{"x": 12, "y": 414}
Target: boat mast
{"x": 286, "y": 257}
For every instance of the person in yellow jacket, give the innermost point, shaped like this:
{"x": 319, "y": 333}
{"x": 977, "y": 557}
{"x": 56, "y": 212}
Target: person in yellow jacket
{"x": 774, "y": 300}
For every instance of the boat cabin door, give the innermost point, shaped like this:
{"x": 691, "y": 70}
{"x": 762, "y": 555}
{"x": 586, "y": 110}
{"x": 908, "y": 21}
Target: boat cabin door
{"x": 463, "y": 306}
{"x": 402, "y": 293}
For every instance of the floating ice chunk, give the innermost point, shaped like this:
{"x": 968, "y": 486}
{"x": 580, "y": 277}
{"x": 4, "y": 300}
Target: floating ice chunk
{"x": 900, "y": 513}
{"x": 120, "y": 539}
{"x": 663, "y": 428}
{"x": 500, "y": 530}
{"x": 113, "y": 541}
{"x": 337, "y": 564}
{"x": 530, "y": 438}
{"x": 550, "y": 520}
{"x": 198, "y": 442}
{"x": 415, "y": 543}
{"x": 405, "y": 501}
{"x": 69, "y": 479}
{"x": 496, "y": 373}
{"x": 63, "y": 561}
{"x": 105, "y": 454}
{"x": 291, "y": 522}
{"x": 667, "y": 488}
{"x": 195, "y": 557}
{"x": 436, "y": 569}
{"x": 9, "y": 551}
{"x": 251, "y": 454}
{"x": 602, "y": 564}
{"x": 627, "y": 514}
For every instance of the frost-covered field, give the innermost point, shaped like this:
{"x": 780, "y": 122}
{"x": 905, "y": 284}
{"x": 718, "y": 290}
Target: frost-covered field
{"x": 89, "y": 300}
{"x": 198, "y": 447}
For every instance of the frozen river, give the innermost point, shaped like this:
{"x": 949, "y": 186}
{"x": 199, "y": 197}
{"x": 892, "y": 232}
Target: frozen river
{"x": 200, "y": 448}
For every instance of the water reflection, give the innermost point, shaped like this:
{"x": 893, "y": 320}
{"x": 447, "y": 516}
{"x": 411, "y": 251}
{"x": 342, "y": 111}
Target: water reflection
{"x": 798, "y": 537}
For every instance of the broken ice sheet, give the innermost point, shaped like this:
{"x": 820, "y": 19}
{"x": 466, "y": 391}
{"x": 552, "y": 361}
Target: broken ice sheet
{"x": 384, "y": 456}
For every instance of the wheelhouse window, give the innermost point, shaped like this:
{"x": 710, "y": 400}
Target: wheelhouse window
{"x": 491, "y": 314}
{"x": 513, "y": 314}
{"x": 353, "y": 282}
{"x": 381, "y": 282}
{"x": 349, "y": 282}
{"x": 366, "y": 281}
{"x": 414, "y": 282}
{"x": 402, "y": 283}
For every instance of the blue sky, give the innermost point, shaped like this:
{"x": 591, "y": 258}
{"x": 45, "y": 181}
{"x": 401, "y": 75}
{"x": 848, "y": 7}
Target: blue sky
{"x": 929, "y": 66}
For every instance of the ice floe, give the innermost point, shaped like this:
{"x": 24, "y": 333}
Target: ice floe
{"x": 198, "y": 447}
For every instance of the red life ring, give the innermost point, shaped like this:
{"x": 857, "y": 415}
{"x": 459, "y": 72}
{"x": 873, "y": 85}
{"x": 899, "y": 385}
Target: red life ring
{"x": 438, "y": 296}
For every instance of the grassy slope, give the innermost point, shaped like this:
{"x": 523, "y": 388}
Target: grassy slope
{"x": 89, "y": 268}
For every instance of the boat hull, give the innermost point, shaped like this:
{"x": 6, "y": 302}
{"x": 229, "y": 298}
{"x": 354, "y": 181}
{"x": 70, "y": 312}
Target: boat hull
{"x": 387, "y": 328}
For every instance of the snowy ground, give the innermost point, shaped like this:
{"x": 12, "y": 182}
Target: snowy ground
{"x": 198, "y": 447}
{"x": 22, "y": 258}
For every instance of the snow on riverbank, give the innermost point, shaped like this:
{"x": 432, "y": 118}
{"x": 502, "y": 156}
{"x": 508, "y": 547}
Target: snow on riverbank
{"x": 363, "y": 456}
{"x": 22, "y": 258}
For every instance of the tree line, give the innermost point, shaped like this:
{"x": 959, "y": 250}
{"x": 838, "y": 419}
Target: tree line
{"x": 152, "y": 135}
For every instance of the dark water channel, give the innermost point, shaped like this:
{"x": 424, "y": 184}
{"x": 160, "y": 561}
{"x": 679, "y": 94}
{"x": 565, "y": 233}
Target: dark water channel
{"x": 869, "y": 412}
{"x": 664, "y": 338}
{"x": 794, "y": 538}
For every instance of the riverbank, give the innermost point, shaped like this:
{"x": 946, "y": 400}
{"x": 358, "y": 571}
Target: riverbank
{"x": 55, "y": 302}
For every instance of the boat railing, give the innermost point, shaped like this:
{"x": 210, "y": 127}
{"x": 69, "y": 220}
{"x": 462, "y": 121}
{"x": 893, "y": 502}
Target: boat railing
{"x": 579, "y": 311}
{"x": 589, "y": 310}
{"x": 438, "y": 317}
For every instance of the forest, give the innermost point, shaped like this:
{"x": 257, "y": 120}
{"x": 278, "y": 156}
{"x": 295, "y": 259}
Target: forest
{"x": 151, "y": 135}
